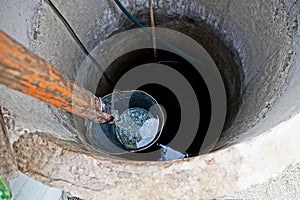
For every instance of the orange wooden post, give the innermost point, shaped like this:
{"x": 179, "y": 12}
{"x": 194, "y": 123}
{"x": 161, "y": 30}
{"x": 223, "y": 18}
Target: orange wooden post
{"x": 24, "y": 71}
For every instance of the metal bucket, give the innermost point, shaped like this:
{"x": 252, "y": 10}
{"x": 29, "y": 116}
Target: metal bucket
{"x": 138, "y": 124}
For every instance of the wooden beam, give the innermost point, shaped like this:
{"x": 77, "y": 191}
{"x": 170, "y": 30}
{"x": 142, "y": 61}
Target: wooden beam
{"x": 24, "y": 71}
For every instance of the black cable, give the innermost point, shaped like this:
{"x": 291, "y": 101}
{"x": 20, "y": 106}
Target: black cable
{"x": 77, "y": 40}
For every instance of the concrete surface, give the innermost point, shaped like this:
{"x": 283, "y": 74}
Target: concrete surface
{"x": 17, "y": 19}
{"x": 64, "y": 165}
{"x": 261, "y": 40}
{"x": 8, "y": 165}
{"x": 284, "y": 186}
{"x": 24, "y": 187}
{"x": 264, "y": 39}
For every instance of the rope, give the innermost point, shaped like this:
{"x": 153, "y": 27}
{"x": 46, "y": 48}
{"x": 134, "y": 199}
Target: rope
{"x": 153, "y": 30}
{"x": 159, "y": 39}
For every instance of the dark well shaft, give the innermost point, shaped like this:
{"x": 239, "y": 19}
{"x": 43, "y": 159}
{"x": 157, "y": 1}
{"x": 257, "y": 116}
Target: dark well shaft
{"x": 24, "y": 71}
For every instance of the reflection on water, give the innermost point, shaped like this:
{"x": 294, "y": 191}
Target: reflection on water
{"x": 136, "y": 128}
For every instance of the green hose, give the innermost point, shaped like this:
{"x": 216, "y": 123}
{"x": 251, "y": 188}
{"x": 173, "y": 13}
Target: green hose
{"x": 132, "y": 18}
{"x": 4, "y": 190}
{"x": 159, "y": 39}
